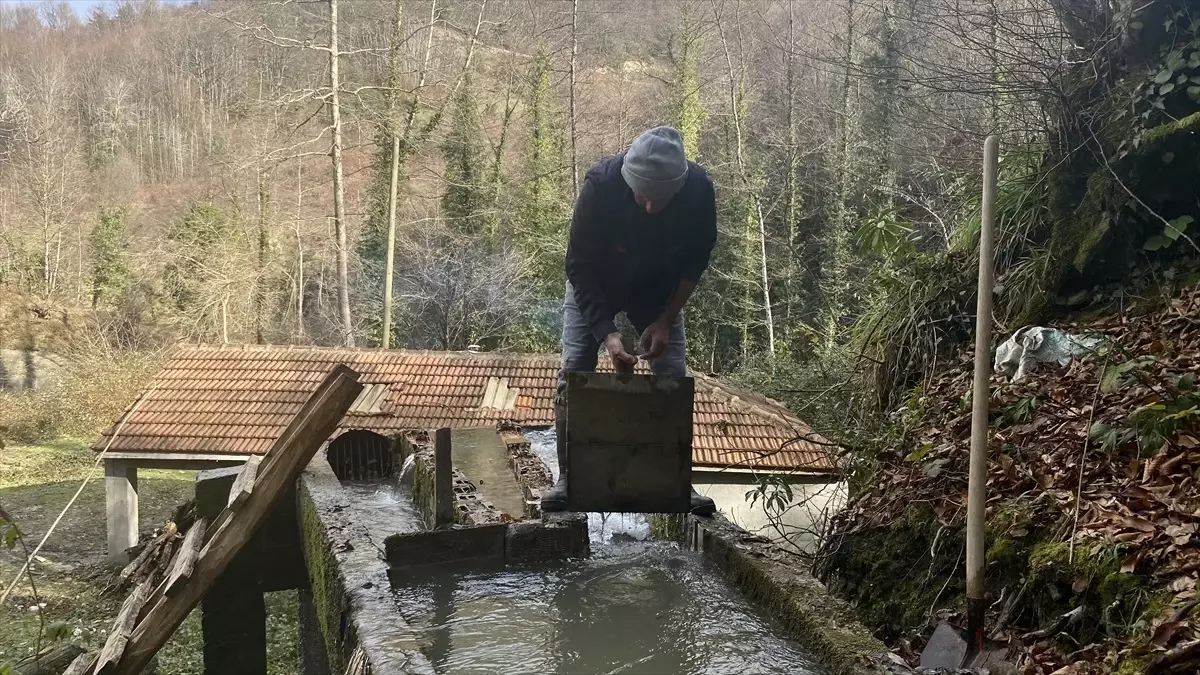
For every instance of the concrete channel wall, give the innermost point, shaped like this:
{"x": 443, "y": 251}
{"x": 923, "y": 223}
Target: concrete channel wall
{"x": 780, "y": 584}
{"x": 349, "y": 623}
{"x": 351, "y": 605}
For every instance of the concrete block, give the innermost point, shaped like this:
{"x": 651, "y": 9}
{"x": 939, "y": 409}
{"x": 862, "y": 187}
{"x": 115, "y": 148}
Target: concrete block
{"x": 530, "y": 543}
{"x": 484, "y": 544}
{"x": 629, "y": 443}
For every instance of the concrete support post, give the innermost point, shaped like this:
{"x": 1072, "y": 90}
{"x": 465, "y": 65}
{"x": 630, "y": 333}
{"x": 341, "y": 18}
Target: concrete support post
{"x": 443, "y": 479}
{"x": 121, "y": 500}
{"x": 234, "y": 621}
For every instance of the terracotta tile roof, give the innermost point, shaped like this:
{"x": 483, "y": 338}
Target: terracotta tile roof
{"x": 237, "y": 399}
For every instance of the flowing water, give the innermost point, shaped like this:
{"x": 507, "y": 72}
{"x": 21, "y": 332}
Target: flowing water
{"x": 635, "y": 606}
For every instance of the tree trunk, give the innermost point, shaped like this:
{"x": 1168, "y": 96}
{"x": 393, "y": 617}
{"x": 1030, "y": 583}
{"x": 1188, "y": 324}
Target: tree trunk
{"x": 791, "y": 188}
{"x": 339, "y": 207}
{"x": 571, "y": 112}
{"x": 299, "y": 251}
{"x": 394, "y": 182}
{"x": 263, "y": 249}
{"x": 755, "y": 193}
{"x": 389, "y": 266}
{"x": 836, "y": 271}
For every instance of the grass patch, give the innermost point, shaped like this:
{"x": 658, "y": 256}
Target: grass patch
{"x": 35, "y": 484}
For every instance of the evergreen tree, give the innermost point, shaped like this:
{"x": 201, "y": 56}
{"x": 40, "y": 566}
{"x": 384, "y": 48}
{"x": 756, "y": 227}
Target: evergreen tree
{"x": 464, "y": 199}
{"x": 686, "y": 111}
{"x": 544, "y": 210}
{"x": 110, "y": 254}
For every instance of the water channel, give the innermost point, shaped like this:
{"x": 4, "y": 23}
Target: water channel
{"x": 636, "y": 606}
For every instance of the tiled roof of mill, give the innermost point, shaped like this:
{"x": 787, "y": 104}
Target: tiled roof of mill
{"x": 237, "y": 399}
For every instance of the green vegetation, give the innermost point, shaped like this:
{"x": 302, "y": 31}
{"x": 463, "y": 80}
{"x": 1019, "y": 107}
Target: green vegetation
{"x": 35, "y": 484}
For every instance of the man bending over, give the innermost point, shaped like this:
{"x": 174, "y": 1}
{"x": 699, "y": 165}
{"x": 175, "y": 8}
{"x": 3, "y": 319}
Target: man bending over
{"x": 644, "y": 227}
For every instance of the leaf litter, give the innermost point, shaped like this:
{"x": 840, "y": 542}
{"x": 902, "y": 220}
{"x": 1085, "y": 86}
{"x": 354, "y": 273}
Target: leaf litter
{"x": 1105, "y": 449}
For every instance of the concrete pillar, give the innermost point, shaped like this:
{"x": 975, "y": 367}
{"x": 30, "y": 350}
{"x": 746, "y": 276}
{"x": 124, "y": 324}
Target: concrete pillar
{"x": 234, "y": 614}
{"x": 121, "y": 500}
{"x": 313, "y": 659}
{"x": 234, "y": 620}
{"x": 443, "y": 479}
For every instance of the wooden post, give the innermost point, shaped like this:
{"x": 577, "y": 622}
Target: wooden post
{"x": 980, "y": 398}
{"x": 121, "y": 501}
{"x": 443, "y": 480}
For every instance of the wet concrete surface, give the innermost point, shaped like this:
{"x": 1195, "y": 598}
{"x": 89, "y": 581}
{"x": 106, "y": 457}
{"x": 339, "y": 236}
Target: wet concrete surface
{"x": 483, "y": 458}
{"x": 634, "y": 606}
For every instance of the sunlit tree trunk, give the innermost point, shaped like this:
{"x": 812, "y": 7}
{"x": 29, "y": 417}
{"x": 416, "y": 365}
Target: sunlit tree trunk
{"x": 339, "y": 207}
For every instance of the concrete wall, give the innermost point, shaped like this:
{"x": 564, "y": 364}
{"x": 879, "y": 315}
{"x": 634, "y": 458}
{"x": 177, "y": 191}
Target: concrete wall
{"x": 815, "y": 499}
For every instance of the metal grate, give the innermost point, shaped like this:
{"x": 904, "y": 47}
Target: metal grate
{"x": 362, "y": 455}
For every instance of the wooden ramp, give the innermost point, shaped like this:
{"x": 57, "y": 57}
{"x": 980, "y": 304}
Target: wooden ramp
{"x": 629, "y": 443}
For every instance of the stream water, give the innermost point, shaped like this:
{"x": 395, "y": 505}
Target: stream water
{"x": 636, "y": 606}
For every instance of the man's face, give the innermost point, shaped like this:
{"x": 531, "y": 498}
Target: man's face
{"x": 651, "y": 206}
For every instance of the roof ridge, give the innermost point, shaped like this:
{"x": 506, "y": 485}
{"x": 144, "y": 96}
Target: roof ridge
{"x": 268, "y": 347}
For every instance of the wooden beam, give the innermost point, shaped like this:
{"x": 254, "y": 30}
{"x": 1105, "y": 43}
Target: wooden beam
{"x": 185, "y": 560}
{"x": 243, "y": 485}
{"x": 50, "y": 661}
{"x": 292, "y": 451}
{"x": 118, "y": 639}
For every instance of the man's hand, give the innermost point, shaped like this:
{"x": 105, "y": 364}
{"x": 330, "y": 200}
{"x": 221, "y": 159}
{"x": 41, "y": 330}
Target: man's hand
{"x": 654, "y": 340}
{"x": 623, "y": 361}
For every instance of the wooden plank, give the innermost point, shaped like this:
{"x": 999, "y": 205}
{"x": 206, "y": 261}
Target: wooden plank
{"x": 629, "y": 443}
{"x": 185, "y": 559}
{"x": 289, "y": 435}
{"x": 315, "y": 423}
{"x": 243, "y": 485}
{"x": 118, "y": 639}
{"x": 82, "y": 665}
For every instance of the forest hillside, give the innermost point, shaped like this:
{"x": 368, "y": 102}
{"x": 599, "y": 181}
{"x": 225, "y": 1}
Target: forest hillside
{"x": 401, "y": 173}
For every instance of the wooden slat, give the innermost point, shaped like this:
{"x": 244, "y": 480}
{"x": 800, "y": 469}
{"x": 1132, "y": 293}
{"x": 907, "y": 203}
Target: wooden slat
{"x": 82, "y": 665}
{"x": 185, "y": 559}
{"x": 123, "y": 627}
{"x": 243, "y": 485}
{"x": 292, "y": 452}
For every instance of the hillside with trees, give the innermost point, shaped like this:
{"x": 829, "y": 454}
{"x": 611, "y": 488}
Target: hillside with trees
{"x": 401, "y": 173}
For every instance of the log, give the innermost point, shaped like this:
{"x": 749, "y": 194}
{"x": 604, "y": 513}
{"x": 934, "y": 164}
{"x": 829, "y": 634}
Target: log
{"x": 185, "y": 560}
{"x": 123, "y": 627}
{"x": 51, "y": 661}
{"x": 287, "y": 458}
{"x": 134, "y": 570}
{"x": 82, "y": 665}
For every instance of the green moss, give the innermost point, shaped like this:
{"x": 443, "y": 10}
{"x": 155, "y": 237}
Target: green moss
{"x": 1117, "y": 585}
{"x": 321, "y": 575}
{"x": 890, "y": 577}
{"x": 667, "y": 526}
{"x": 1153, "y": 138}
{"x": 1133, "y": 665}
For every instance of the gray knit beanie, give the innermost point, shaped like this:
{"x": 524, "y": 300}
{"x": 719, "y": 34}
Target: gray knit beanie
{"x": 655, "y": 165}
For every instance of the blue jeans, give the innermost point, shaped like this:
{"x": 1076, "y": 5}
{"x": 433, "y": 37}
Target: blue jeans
{"x": 580, "y": 350}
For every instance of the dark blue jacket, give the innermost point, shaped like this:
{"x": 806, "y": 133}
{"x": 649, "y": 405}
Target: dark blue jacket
{"x": 620, "y": 258}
